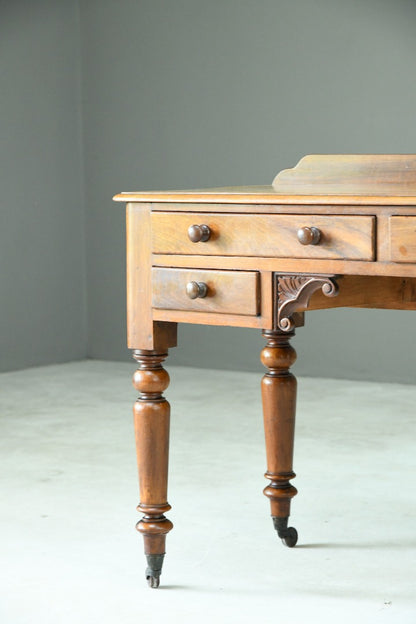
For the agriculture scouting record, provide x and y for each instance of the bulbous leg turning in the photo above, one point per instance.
(151, 421)
(154, 530)
(279, 409)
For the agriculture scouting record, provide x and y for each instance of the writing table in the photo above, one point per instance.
(334, 231)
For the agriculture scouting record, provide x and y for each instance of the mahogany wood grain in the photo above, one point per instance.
(350, 174)
(293, 293)
(343, 237)
(211, 318)
(383, 234)
(365, 209)
(142, 332)
(267, 299)
(151, 420)
(288, 208)
(288, 265)
(392, 293)
(359, 179)
(403, 239)
(279, 408)
(232, 292)
(262, 195)
(262, 321)
(139, 286)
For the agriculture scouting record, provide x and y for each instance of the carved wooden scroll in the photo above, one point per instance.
(293, 293)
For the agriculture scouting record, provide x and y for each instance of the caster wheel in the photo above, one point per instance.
(153, 581)
(154, 570)
(288, 535)
(291, 537)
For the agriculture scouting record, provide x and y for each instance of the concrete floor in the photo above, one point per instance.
(69, 552)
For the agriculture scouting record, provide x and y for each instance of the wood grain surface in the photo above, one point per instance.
(364, 209)
(142, 331)
(403, 239)
(232, 292)
(338, 179)
(350, 174)
(342, 237)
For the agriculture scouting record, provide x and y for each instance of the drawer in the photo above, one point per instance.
(403, 239)
(341, 237)
(228, 292)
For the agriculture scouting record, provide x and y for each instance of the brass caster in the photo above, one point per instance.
(288, 535)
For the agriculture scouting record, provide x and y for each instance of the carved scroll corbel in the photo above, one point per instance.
(293, 293)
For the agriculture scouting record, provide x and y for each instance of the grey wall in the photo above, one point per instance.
(194, 93)
(42, 234)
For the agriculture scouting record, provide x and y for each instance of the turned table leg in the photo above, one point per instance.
(151, 421)
(279, 407)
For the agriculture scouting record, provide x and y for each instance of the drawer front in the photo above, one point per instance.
(341, 237)
(403, 239)
(228, 292)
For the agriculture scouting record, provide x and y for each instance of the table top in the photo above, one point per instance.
(347, 179)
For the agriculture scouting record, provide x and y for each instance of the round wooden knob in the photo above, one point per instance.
(309, 235)
(199, 233)
(196, 289)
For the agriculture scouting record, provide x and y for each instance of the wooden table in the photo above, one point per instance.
(334, 231)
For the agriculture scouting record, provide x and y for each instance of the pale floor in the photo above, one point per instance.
(69, 551)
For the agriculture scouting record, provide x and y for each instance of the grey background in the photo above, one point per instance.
(102, 96)
(42, 233)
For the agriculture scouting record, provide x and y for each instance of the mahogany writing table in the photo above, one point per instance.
(334, 231)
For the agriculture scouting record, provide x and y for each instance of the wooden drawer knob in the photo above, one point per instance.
(309, 235)
(199, 233)
(196, 290)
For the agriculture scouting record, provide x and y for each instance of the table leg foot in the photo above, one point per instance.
(279, 407)
(154, 569)
(152, 415)
(288, 535)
